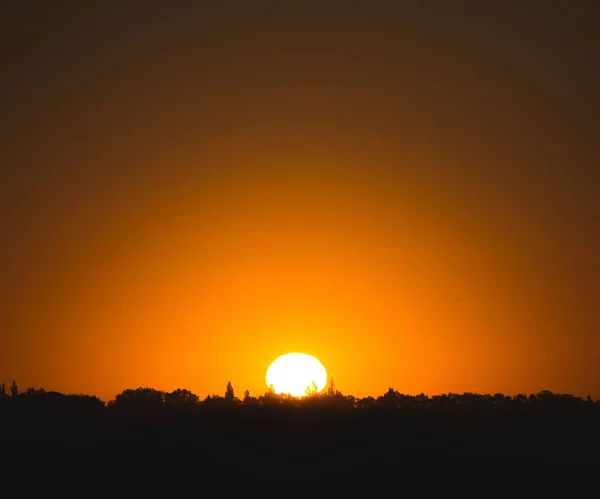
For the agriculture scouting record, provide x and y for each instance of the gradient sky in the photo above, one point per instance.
(406, 190)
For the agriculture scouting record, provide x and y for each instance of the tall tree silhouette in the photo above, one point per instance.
(331, 389)
(229, 395)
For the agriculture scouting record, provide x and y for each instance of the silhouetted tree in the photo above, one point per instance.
(270, 397)
(14, 390)
(389, 399)
(248, 400)
(217, 402)
(139, 398)
(421, 401)
(181, 398)
(367, 402)
(331, 389)
(3, 390)
(349, 401)
(312, 390)
(229, 395)
(520, 400)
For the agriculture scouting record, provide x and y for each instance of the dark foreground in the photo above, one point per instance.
(285, 442)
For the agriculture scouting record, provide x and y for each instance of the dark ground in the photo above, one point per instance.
(287, 443)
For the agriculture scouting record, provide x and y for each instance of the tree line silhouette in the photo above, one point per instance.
(332, 431)
(145, 398)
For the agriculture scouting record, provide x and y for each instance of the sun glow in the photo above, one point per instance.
(296, 374)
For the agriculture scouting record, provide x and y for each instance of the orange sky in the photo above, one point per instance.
(408, 194)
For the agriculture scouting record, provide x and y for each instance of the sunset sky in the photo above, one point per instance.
(408, 191)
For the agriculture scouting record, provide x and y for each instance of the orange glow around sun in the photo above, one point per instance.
(181, 213)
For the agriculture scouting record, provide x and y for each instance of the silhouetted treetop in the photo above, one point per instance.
(146, 398)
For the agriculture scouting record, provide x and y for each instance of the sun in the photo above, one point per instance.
(294, 374)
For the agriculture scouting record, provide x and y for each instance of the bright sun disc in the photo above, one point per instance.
(295, 373)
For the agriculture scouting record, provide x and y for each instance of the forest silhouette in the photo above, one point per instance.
(331, 431)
